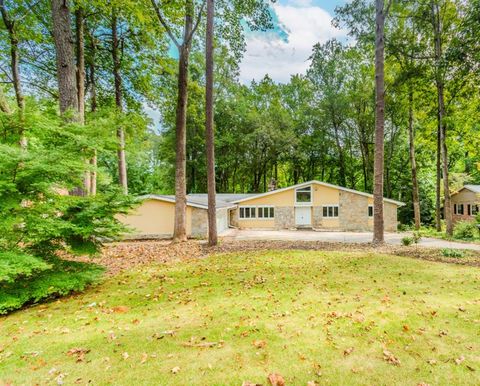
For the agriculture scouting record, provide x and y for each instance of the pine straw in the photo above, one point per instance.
(117, 257)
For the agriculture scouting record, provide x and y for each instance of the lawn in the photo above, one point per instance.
(329, 317)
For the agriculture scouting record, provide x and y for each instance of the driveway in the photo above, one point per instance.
(338, 237)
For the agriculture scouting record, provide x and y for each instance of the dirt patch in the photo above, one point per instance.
(117, 257)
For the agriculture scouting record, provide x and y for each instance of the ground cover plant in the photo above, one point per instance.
(322, 316)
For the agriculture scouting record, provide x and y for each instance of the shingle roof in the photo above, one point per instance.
(197, 201)
(473, 188)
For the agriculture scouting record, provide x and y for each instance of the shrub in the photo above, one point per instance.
(465, 230)
(407, 240)
(447, 252)
(416, 237)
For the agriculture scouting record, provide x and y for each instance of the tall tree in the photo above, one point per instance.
(413, 162)
(10, 25)
(378, 223)
(191, 23)
(209, 126)
(122, 163)
(65, 59)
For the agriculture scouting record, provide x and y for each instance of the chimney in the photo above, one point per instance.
(272, 185)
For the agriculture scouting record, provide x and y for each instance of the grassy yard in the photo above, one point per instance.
(330, 317)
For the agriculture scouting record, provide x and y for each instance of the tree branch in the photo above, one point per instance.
(164, 24)
(197, 22)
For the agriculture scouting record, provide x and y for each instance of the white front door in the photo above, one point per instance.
(303, 216)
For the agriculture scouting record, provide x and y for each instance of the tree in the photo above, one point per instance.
(11, 26)
(378, 224)
(66, 69)
(191, 23)
(209, 126)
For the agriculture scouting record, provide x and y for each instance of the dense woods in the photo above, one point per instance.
(78, 78)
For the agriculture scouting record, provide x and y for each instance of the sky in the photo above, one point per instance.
(284, 51)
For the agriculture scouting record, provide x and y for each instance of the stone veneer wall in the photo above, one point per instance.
(284, 217)
(317, 213)
(199, 223)
(353, 212)
(390, 217)
(234, 217)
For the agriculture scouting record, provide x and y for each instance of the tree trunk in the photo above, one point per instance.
(212, 215)
(447, 208)
(413, 163)
(93, 108)
(122, 164)
(438, 181)
(4, 106)
(66, 71)
(15, 68)
(378, 223)
(180, 229)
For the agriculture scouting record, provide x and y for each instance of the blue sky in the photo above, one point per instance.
(285, 50)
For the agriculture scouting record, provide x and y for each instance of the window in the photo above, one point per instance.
(474, 210)
(469, 209)
(303, 195)
(247, 212)
(454, 208)
(330, 211)
(260, 212)
(266, 212)
(370, 211)
(460, 209)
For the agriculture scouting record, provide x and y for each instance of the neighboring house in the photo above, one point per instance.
(466, 203)
(314, 204)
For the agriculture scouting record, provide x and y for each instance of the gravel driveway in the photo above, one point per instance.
(346, 237)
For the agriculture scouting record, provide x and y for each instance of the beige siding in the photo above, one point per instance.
(154, 218)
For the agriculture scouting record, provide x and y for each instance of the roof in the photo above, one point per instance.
(472, 188)
(196, 201)
(399, 203)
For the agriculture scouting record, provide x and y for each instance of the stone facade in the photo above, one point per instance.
(199, 223)
(353, 212)
(390, 217)
(284, 217)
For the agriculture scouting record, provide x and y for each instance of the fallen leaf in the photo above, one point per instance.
(276, 379)
(390, 358)
(175, 370)
(406, 328)
(125, 355)
(432, 362)
(259, 343)
(79, 353)
(248, 383)
(144, 357)
(459, 360)
(120, 309)
(311, 383)
(348, 351)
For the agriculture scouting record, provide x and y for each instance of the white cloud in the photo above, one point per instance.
(305, 24)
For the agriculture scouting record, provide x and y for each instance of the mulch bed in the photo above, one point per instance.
(117, 257)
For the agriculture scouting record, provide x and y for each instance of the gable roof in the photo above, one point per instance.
(195, 201)
(399, 203)
(472, 188)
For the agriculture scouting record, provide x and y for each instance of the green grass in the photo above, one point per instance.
(308, 307)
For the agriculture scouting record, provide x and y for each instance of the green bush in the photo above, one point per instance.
(37, 222)
(407, 240)
(416, 237)
(447, 252)
(465, 230)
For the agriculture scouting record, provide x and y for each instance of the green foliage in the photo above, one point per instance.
(14, 265)
(37, 218)
(448, 252)
(416, 237)
(465, 230)
(407, 240)
(61, 278)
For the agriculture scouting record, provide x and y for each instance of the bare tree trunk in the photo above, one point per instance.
(447, 207)
(15, 67)
(93, 108)
(122, 164)
(66, 71)
(378, 223)
(210, 131)
(438, 181)
(413, 163)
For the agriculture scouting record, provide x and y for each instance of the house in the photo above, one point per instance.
(312, 205)
(466, 203)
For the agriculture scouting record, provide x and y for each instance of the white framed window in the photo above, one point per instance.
(266, 212)
(370, 211)
(247, 212)
(330, 211)
(303, 196)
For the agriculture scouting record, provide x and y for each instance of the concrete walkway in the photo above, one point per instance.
(342, 237)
